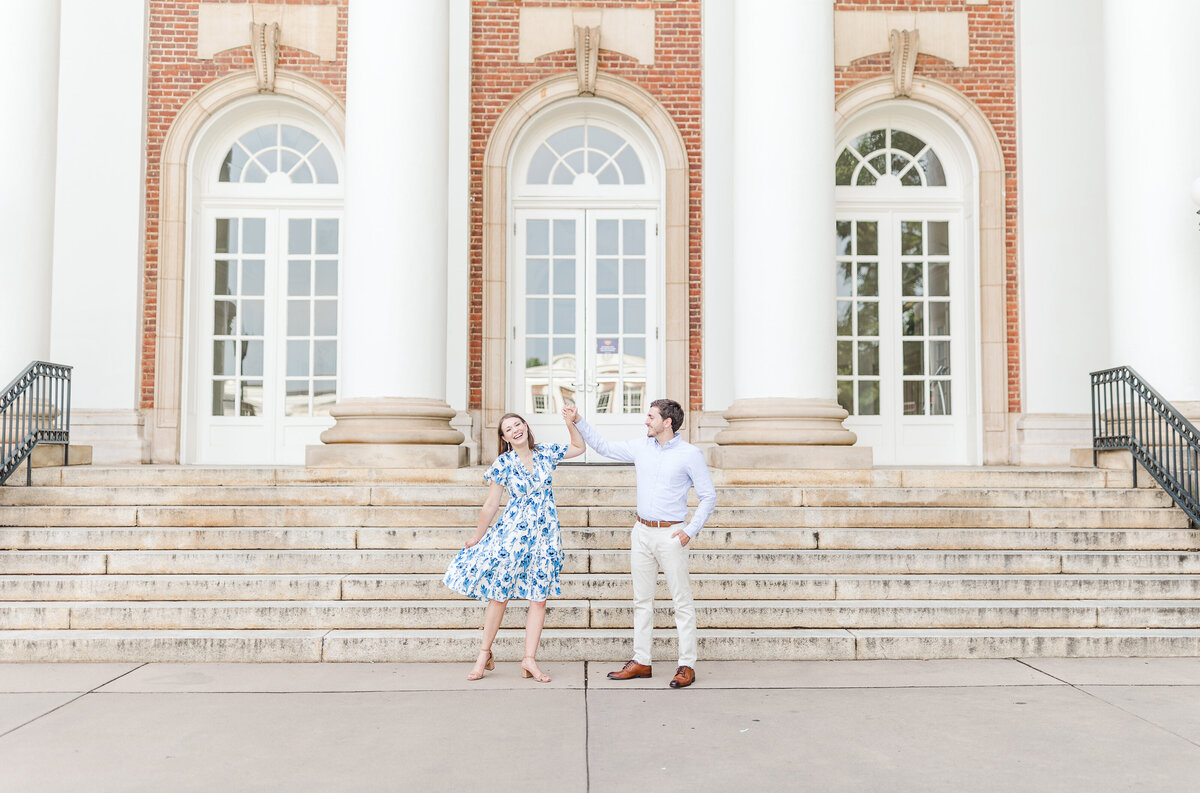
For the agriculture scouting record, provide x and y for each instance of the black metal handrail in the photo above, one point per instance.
(34, 408)
(1127, 413)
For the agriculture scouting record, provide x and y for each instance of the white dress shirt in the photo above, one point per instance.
(665, 473)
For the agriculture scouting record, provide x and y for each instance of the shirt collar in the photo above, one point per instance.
(669, 444)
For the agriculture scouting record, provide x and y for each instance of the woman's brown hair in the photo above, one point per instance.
(505, 446)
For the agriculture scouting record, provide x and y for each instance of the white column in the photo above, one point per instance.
(1154, 242)
(393, 412)
(29, 96)
(96, 316)
(784, 412)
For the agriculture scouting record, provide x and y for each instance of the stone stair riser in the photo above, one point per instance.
(1014, 539)
(589, 645)
(621, 497)
(604, 517)
(868, 614)
(579, 614)
(177, 538)
(53, 588)
(277, 616)
(162, 646)
(577, 475)
(1103, 643)
(312, 562)
(576, 538)
(1044, 587)
(170, 587)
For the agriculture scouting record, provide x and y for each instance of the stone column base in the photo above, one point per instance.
(390, 432)
(787, 433)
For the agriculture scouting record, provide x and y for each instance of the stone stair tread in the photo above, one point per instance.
(591, 644)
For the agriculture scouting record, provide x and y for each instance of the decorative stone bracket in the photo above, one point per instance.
(264, 45)
(587, 58)
(904, 45)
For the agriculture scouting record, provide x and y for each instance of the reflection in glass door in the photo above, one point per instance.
(585, 324)
(266, 322)
(901, 316)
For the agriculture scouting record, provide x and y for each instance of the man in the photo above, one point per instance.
(667, 466)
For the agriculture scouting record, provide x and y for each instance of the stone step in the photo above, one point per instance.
(612, 646)
(811, 562)
(722, 517)
(927, 562)
(623, 496)
(745, 614)
(174, 587)
(290, 615)
(592, 586)
(585, 475)
(595, 586)
(580, 538)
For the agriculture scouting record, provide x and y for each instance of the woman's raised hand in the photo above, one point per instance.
(570, 413)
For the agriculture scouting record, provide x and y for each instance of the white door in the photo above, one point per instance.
(585, 319)
(903, 336)
(265, 326)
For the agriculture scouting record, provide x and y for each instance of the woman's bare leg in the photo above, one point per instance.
(491, 625)
(534, 621)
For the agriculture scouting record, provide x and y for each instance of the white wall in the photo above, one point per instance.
(1063, 246)
(28, 90)
(718, 204)
(1153, 156)
(95, 321)
(458, 242)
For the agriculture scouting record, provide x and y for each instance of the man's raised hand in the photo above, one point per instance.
(570, 413)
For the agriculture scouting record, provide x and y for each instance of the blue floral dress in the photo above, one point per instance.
(521, 555)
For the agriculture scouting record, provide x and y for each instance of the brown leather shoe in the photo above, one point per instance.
(684, 677)
(630, 670)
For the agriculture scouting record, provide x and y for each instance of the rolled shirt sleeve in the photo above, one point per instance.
(702, 483)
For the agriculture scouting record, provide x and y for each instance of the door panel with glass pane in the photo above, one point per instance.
(585, 320)
(900, 302)
(269, 292)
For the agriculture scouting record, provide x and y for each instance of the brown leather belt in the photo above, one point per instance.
(657, 524)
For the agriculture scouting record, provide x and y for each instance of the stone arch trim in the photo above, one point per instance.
(993, 364)
(166, 416)
(495, 240)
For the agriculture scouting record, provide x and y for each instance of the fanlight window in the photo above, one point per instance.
(585, 149)
(889, 151)
(279, 149)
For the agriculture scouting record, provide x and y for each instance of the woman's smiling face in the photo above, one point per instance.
(515, 432)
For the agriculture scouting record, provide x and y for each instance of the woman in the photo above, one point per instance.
(521, 555)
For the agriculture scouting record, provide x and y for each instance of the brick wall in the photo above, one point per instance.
(989, 81)
(175, 75)
(674, 80)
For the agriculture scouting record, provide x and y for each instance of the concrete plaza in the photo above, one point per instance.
(865, 726)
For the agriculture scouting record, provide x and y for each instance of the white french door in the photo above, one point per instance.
(585, 309)
(265, 319)
(905, 335)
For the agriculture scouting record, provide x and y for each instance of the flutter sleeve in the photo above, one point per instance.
(554, 453)
(498, 473)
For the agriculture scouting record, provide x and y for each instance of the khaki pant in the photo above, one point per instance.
(651, 547)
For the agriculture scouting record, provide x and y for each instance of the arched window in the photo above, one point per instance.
(585, 278)
(889, 151)
(905, 344)
(278, 149)
(266, 273)
(585, 149)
